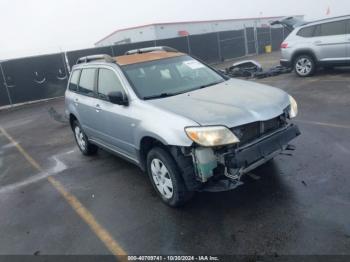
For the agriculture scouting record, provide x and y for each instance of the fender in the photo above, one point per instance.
(304, 51)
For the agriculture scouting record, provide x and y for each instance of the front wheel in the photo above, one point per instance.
(304, 65)
(166, 178)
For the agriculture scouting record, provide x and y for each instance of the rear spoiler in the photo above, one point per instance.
(91, 58)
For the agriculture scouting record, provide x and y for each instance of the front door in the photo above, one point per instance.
(115, 123)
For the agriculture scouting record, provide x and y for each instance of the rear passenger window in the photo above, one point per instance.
(87, 81)
(333, 28)
(73, 84)
(108, 82)
(306, 31)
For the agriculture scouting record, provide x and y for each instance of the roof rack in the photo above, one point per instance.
(90, 58)
(150, 49)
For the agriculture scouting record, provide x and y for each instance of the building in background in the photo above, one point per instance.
(160, 31)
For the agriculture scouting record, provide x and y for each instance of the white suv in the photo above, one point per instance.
(324, 43)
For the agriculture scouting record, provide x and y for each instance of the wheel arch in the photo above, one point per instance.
(308, 52)
(72, 118)
(184, 162)
(146, 144)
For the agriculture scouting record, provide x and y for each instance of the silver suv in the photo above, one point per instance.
(184, 123)
(324, 43)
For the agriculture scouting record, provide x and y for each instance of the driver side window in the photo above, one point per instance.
(108, 82)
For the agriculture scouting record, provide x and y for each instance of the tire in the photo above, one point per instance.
(82, 141)
(166, 178)
(304, 65)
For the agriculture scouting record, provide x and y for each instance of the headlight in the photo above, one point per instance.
(211, 135)
(293, 111)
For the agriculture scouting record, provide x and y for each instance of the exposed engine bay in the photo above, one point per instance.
(221, 168)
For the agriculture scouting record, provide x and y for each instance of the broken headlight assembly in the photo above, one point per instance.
(293, 109)
(211, 135)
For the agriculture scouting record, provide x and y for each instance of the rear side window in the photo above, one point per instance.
(73, 84)
(307, 31)
(87, 81)
(108, 82)
(332, 28)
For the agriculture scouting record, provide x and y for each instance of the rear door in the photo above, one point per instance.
(330, 41)
(86, 101)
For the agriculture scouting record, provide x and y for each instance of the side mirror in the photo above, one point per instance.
(118, 98)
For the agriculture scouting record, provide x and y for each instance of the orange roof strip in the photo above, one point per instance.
(145, 57)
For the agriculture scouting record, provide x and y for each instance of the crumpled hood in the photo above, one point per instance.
(231, 103)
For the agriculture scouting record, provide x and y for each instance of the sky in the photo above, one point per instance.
(33, 27)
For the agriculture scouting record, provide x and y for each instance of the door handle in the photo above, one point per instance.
(317, 42)
(98, 108)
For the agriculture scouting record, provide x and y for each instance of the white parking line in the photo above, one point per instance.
(322, 124)
(58, 167)
(113, 246)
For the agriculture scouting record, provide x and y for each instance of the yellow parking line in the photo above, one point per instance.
(22, 151)
(77, 206)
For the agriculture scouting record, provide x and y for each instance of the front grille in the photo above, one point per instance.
(271, 125)
(249, 132)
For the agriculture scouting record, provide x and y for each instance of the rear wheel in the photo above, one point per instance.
(166, 178)
(82, 141)
(304, 65)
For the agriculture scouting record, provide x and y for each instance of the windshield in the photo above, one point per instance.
(170, 76)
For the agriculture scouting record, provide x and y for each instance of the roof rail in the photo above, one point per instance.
(150, 49)
(90, 58)
(328, 18)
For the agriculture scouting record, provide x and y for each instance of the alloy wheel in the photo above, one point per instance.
(303, 66)
(161, 178)
(79, 135)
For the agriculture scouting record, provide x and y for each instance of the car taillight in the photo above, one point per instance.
(284, 45)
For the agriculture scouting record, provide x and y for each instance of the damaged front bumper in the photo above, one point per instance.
(221, 169)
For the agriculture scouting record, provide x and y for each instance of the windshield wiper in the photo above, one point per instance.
(211, 84)
(162, 95)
